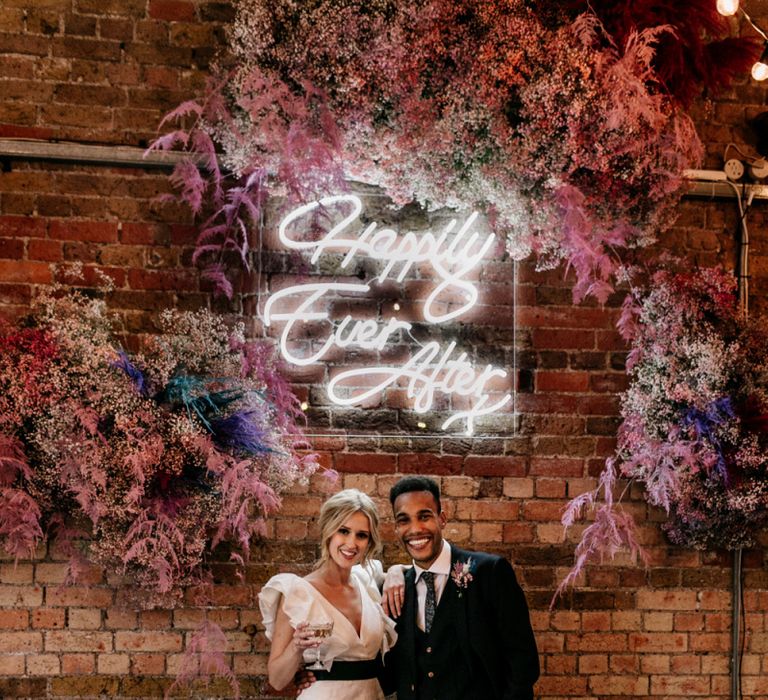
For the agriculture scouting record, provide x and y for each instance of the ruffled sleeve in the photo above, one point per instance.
(297, 602)
(300, 604)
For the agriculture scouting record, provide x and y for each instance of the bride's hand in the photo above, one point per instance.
(393, 592)
(304, 638)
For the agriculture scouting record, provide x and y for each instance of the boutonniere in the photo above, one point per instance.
(462, 574)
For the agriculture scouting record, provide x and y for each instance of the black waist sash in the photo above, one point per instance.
(351, 670)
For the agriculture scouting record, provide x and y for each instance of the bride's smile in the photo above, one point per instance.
(350, 541)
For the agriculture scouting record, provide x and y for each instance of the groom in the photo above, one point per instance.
(464, 631)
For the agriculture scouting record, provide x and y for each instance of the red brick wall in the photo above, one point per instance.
(104, 71)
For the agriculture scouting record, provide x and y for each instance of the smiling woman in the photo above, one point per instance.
(340, 598)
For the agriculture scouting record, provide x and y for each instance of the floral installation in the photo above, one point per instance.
(461, 574)
(695, 421)
(564, 124)
(141, 464)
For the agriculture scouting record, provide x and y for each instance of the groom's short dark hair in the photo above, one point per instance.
(415, 483)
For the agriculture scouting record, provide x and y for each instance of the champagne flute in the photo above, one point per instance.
(321, 630)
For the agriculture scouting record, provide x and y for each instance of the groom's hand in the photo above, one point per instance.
(303, 679)
(393, 592)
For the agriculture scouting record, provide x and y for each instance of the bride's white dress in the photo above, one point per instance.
(302, 602)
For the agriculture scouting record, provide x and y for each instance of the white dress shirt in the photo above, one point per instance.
(441, 568)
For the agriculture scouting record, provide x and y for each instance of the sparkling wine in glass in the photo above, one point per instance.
(321, 630)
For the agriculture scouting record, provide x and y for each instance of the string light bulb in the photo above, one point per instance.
(727, 8)
(760, 68)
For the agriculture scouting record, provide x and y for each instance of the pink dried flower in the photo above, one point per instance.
(140, 467)
(695, 428)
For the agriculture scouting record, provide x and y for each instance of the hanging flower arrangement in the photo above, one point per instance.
(141, 464)
(556, 122)
(695, 421)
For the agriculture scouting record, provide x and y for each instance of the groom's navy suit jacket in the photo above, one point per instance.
(481, 645)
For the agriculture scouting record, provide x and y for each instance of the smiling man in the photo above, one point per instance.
(464, 631)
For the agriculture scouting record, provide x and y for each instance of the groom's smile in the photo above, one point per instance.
(419, 526)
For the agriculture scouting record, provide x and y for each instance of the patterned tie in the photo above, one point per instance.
(429, 606)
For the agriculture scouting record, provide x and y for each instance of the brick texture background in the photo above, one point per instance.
(104, 71)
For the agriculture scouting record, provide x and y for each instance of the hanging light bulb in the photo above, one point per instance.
(760, 68)
(727, 7)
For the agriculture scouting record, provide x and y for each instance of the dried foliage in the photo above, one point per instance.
(565, 128)
(695, 428)
(141, 464)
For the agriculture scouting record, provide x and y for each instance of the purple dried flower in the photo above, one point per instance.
(240, 433)
(134, 373)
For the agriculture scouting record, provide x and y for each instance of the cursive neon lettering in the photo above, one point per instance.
(453, 254)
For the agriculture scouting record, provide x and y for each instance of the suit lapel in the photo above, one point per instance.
(460, 602)
(408, 620)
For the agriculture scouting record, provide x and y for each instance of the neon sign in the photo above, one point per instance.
(431, 371)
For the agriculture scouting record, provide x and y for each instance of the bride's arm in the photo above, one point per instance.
(286, 654)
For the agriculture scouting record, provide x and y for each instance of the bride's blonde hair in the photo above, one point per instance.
(337, 509)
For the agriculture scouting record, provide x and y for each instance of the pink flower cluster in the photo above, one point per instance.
(146, 462)
(560, 131)
(695, 428)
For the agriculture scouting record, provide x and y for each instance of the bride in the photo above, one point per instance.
(340, 595)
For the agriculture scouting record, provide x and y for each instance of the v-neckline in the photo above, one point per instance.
(359, 634)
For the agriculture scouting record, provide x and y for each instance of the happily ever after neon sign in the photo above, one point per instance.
(434, 369)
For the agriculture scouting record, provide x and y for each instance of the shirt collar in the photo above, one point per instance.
(441, 565)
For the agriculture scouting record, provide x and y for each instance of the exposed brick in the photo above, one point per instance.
(78, 664)
(43, 665)
(558, 339)
(543, 510)
(84, 618)
(79, 597)
(11, 248)
(494, 466)
(75, 47)
(181, 280)
(16, 574)
(14, 619)
(18, 642)
(48, 618)
(91, 95)
(684, 686)
(155, 619)
(25, 271)
(666, 600)
(84, 686)
(118, 618)
(596, 642)
(92, 231)
(171, 10)
(11, 665)
(38, 249)
(560, 686)
(113, 664)
(517, 532)
(72, 640)
(365, 462)
(148, 641)
(24, 595)
(426, 463)
(562, 381)
(487, 510)
(658, 641)
(558, 466)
